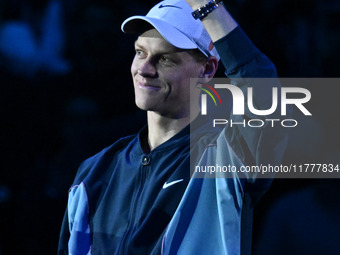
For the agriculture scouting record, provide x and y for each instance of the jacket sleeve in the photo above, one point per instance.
(246, 66)
(64, 236)
(241, 58)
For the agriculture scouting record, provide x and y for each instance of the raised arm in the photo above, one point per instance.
(245, 64)
(218, 23)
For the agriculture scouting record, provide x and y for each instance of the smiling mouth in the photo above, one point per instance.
(147, 86)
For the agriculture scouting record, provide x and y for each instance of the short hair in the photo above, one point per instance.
(198, 56)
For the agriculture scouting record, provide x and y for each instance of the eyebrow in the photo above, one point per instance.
(136, 44)
(161, 52)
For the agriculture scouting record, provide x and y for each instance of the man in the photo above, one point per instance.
(136, 196)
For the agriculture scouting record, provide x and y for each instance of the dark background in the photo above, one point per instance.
(62, 104)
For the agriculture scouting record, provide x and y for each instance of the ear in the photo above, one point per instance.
(209, 69)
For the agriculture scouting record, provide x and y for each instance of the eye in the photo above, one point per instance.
(140, 53)
(164, 59)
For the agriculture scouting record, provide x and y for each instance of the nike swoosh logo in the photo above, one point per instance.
(167, 185)
(168, 5)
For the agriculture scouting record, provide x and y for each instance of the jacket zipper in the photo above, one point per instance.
(132, 214)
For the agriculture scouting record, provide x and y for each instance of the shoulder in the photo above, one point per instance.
(113, 148)
(101, 161)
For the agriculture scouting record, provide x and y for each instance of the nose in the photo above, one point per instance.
(147, 68)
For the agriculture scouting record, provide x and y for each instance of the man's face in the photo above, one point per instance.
(161, 76)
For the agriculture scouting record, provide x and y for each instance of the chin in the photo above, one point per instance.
(143, 105)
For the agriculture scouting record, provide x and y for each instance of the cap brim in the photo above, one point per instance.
(138, 24)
